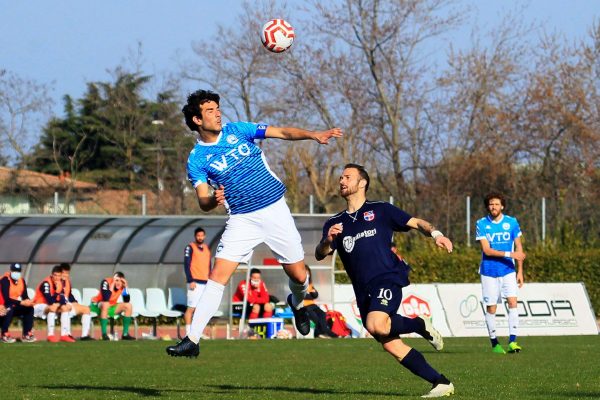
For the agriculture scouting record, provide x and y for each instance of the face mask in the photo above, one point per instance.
(255, 282)
(15, 275)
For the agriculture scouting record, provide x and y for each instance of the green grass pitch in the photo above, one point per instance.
(548, 368)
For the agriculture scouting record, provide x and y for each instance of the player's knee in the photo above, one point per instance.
(296, 272)
(268, 307)
(378, 329)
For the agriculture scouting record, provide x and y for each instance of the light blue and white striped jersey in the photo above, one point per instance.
(238, 164)
(501, 236)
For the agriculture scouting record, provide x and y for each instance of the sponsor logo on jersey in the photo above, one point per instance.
(506, 226)
(232, 139)
(228, 159)
(369, 215)
(488, 227)
(498, 237)
(261, 127)
(349, 241)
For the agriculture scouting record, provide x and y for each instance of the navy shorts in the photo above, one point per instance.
(384, 296)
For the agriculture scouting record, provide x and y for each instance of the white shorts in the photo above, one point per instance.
(272, 225)
(193, 296)
(39, 310)
(494, 289)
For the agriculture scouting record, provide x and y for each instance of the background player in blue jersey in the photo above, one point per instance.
(362, 234)
(226, 157)
(500, 239)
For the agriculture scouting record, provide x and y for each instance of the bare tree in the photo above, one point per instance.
(481, 101)
(76, 159)
(330, 87)
(22, 103)
(561, 129)
(385, 55)
(234, 64)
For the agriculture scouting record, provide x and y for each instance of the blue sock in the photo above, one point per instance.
(512, 338)
(494, 342)
(416, 363)
(402, 325)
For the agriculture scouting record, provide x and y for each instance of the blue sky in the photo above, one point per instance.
(66, 43)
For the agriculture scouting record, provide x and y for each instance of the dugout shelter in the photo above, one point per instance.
(147, 249)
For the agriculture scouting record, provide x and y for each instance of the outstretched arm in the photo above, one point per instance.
(426, 228)
(289, 133)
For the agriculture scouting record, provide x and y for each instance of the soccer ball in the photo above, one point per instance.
(277, 35)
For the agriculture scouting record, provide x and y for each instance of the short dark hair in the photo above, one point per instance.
(255, 271)
(65, 266)
(361, 171)
(57, 268)
(119, 274)
(192, 108)
(198, 229)
(494, 195)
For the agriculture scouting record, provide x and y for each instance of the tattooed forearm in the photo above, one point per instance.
(425, 227)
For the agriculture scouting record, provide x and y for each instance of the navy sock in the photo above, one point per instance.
(416, 363)
(512, 338)
(402, 325)
(494, 342)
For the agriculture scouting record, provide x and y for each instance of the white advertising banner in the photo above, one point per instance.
(417, 300)
(423, 300)
(544, 309)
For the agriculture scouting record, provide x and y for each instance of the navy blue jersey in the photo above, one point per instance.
(364, 244)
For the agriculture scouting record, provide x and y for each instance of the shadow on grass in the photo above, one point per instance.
(579, 394)
(149, 392)
(254, 389)
(145, 392)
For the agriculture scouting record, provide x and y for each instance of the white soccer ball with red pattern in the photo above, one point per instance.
(277, 35)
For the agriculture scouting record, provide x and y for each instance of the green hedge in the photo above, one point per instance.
(432, 265)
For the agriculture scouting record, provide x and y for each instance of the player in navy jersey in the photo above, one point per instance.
(500, 239)
(362, 234)
(226, 158)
